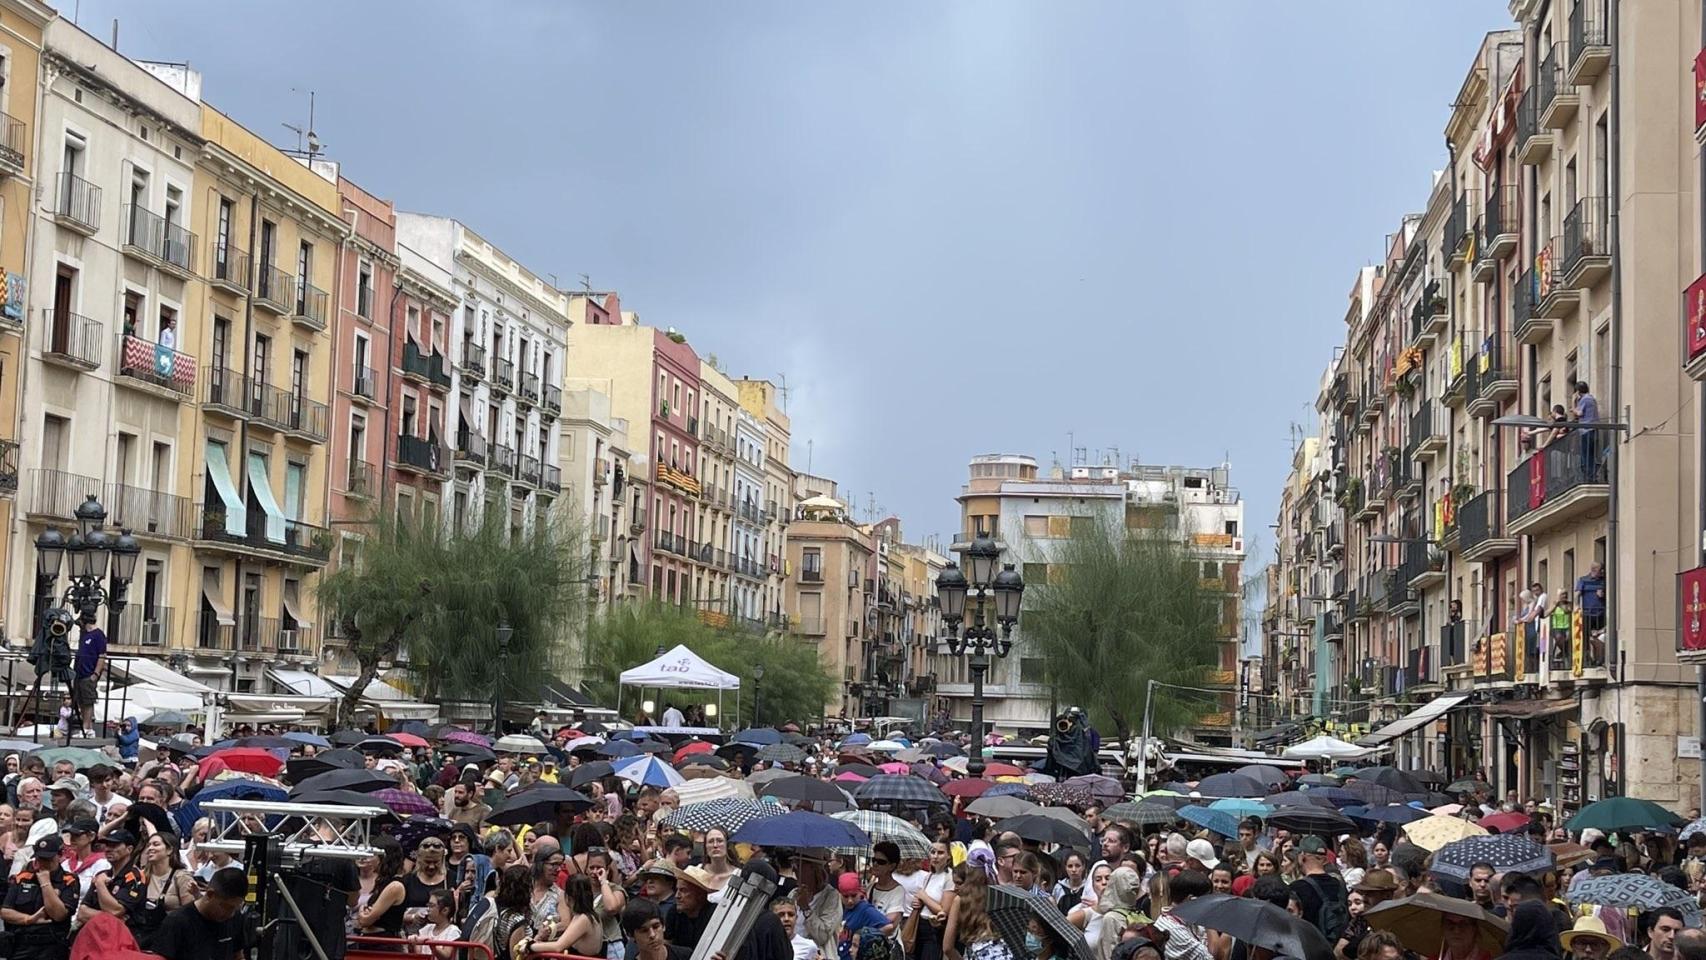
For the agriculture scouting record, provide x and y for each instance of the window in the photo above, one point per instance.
(304, 270)
(258, 370)
(410, 412)
(1232, 528)
(268, 229)
(1033, 670)
(174, 211)
(299, 376)
(357, 438)
(54, 430)
(123, 456)
(363, 358)
(811, 563)
(364, 290)
(222, 241)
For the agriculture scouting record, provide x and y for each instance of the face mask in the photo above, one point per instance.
(1033, 944)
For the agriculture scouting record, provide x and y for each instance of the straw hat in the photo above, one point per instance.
(1588, 926)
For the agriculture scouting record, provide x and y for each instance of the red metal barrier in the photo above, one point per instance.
(470, 949)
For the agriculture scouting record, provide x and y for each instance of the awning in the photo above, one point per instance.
(293, 604)
(261, 486)
(303, 683)
(1414, 720)
(210, 593)
(219, 471)
(389, 701)
(141, 670)
(1530, 709)
(467, 412)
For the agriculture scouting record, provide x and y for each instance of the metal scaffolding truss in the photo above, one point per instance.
(303, 829)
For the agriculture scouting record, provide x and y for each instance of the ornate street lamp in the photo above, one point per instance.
(757, 690)
(1001, 591)
(504, 633)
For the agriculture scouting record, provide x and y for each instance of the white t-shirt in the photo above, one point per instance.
(913, 882)
(937, 886)
(449, 931)
(892, 901)
(804, 948)
(673, 718)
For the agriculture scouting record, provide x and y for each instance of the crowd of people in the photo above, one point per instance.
(610, 844)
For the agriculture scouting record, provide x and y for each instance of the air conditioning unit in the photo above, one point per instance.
(153, 634)
(1238, 544)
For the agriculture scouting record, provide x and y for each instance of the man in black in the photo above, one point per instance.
(1317, 887)
(209, 928)
(692, 914)
(39, 903)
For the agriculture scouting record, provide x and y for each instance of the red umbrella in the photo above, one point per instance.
(407, 739)
(694, 747)
(1002, 770)
(1505, 822)
(966, 788)
(262, 763)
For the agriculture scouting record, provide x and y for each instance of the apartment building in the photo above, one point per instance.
(595, 488)
(759, 398)
(833, 559)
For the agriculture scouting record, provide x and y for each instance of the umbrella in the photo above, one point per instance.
(1171, 801)
(307, 740)
(1434, 832)
(298, 769)
(519, 743)
(942, 750)
(1266, 775)
(1326, 823)
(885, 746)
(707, 761)
(1002, 770)
(968, 787)
(347, 738)
(415, 829)
(1692, 829)
(729, 813)
(1258, 923)
(1505, 822)
(253, 760)
(165, 718)
(1622, 813)
(469, 752)
(782, 753)
(758, 737)
(619, 749)
(1020, 790)
(1240, 807)
(264, 743)
(1060, 795)
(403, 803)
(849, 777)
(380, 745)
(1318, 780)
(419, 728)
(458, 735)
(344, 798)
(913, 844)
(236, 788)
(408, 739)
(1103, 789)
(1010, 912)
(1638, 891)
(1447, 810)
(856, 740)
(1043, 829)
(1231, 785)
(760, 777)
(359, 779)
(1307, 798)
(1391, 813)
(929, 772)
(1067, 817)
(81, 757)
(1392, 778)
(858, 769)
(1218, 821)
(1000, 808)
(1469, 785)
(897, 767)
(648, 771)
(1432, 778)
(1366, 791)
(1419, 921)
(799, 789)
(1506, 852)
(537, 804)
(690, 748)
(801, 829)
(1143, 814)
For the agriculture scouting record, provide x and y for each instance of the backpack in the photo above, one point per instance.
(1334, 915)
(875, 946)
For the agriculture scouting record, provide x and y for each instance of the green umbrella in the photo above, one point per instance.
(81, 757)
(1623, 813)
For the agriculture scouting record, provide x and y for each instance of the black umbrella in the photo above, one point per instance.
(1318, 780)
(899, 788)
(301, 768)
(1258, 923)
(379, 745)
(943, 750)
(1373, 794)
(1392, 777)
(1296, 799)
(588, 772)
(1311, 820)
(1010, 911)
(1231, 785)
(1430, 778)
(1041, 829)
(1272, 777)
(469, 752)
(264, 743)
(801, 789)
(1470, 785)
(538, 804)
(862, 769)
(347, 738)
(702, 760)
(360, 780)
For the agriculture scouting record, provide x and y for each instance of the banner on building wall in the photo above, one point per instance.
(1536, 480)
(1576, 644)
(1691, 619)
(1694, 313)
(12, 298)
(1700, 89)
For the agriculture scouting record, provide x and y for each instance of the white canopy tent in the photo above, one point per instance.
(1325, 747)
(681, 669)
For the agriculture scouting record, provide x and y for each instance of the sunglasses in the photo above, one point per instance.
(431, 845)
(880, 863)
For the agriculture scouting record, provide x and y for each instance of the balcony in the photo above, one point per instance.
(553, 400)
(154, 239)
(1500, 222)
(1340, 394)
(417, 363)
(1590, 44)
(1435, 313)
(529, 392)
(1558, 100)
(70, 339)
(8, 467)
(312, 305)
(295, 639)
(252, 531)
(12, 144)
(1587, 244)
(230, 269)
(1427, 430)
(1529, 327)
(77, 206)
(1495, 377)
(1455, 242)
(210, 634)
(1561, 482)
(530, 471)
(637, 522)
(146, 362)
(143, 626)
(473, 363)
(470, 447)
(265, 405)
(502, 460)
(552, 479)
(421, 455)
(665, 542)
(1453, 651)
(256, 634)
(503, 375)
(1534, 141)
(1480, 538)
(275, 290)
(149, 512)
(1333, 624)
(365, 384)
(1423, 566)
(56, 494)
(361, 480)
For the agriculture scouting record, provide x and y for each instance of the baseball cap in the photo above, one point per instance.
(1312, 845)
(82, 826)
(67, 784)
(121, 836)
(848, 883)
(49, 846)
(1203, 852)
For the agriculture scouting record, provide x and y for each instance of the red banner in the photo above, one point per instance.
(1700, 89)
(1694, 314)
(1537, 480)
(1691, 622)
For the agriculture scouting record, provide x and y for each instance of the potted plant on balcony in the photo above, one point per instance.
(1406, 387)
(321, 541)
(1348, 495)
(213, 520)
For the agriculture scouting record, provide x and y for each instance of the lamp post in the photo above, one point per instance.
(99, 567)
(757, 690)
(1003, 588)
(504, 633)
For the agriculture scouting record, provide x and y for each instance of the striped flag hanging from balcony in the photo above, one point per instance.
(12, 297)
(163, 361)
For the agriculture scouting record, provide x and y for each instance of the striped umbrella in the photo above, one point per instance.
(913, 844)
(1143, 813)
(899, 788)
(730, 813)
(785, 753)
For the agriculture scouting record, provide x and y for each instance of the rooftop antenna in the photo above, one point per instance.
(808, 455)
(312, 139)
(586, 282)
(782, 388)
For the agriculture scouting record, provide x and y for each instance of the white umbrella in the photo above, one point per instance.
(1325, 746)
(518, 743)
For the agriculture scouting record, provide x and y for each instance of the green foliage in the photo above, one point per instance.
(1127, 609)
(439, 599)
(795, 685)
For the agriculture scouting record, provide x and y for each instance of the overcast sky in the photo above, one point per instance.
(954, 227)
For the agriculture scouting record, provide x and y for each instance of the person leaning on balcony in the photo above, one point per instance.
(1587, 411)
(1560, 640)
(1590, 588)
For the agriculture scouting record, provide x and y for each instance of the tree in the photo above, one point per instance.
(795, 684)
(1123, 609)
(439, 600)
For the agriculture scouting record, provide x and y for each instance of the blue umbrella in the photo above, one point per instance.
(801, 829)
(308, 740)
(1009, 790)
(626, 735)
(1218, 821)
(1391, 813)
(758, 737)
(856, 740)
(233, 789)
(619, 748)
(647, 771)
(1240, 807)
(1338, 796)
